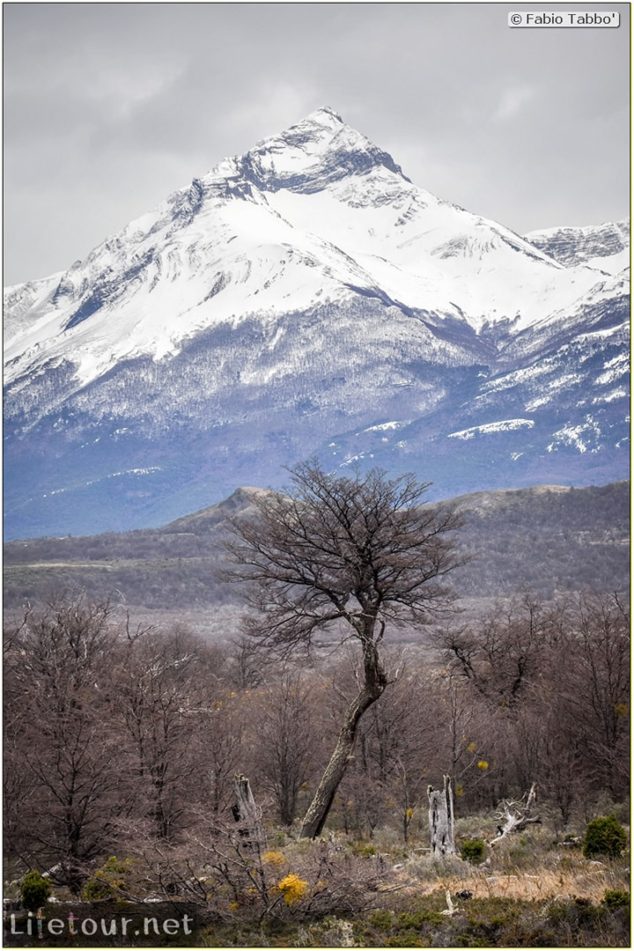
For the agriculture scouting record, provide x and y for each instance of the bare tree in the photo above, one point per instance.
(595, 682)
(349, 554)
(160, 705)
(285, 739)
(549, 687)
(501, 654)
(245, 664)
(63, 749)
(221, 746)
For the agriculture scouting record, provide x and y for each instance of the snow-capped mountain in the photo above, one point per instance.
(306, 297)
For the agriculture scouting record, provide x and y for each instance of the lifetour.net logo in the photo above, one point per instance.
(20, 929)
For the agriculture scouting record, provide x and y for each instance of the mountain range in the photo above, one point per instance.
(306, 298)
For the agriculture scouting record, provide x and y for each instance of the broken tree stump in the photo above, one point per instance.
(246, 813)
(441, 819)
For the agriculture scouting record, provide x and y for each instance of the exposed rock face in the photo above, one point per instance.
(605, 246)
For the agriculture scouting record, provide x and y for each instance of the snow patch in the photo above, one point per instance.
(501, 426)
(111, 475)
(619, 393)
(380, 427)
(579, 437)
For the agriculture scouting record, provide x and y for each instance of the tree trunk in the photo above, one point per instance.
(375, 684)
(441, 819)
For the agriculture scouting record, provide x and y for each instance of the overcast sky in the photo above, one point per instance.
(109, 108)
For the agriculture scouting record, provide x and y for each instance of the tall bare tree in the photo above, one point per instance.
(348, 554)
(160, 703)
(285, 739)
(64, 750)
(597, 686)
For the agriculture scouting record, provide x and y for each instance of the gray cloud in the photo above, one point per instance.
(110, 107)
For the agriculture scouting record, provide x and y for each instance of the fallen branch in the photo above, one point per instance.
(515, 815)
(450, 910)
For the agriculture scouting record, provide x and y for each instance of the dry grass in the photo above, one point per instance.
(528, 867)
(570, 877)
(546, 884)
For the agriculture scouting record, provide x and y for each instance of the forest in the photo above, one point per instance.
(281, 782)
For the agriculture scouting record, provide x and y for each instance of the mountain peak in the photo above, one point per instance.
(324, 116)
(312, 153)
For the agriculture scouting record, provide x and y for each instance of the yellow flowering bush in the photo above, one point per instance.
(482, 764)
(273, 858)
(293, 888)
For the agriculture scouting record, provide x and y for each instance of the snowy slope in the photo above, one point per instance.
(24, 304)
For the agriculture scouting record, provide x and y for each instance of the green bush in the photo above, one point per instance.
(405, 939)
(615, 898)
(108, 881)
(414, 920)
(364, 849)
(576, 914)
(34, 890)
(472, 850)
(381, 919)
(604, 836)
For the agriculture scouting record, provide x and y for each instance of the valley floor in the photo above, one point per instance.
(532, 890)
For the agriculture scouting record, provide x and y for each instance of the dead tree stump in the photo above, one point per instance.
(247, 814)
(441, 819)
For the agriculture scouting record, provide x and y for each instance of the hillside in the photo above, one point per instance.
(547, 539)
